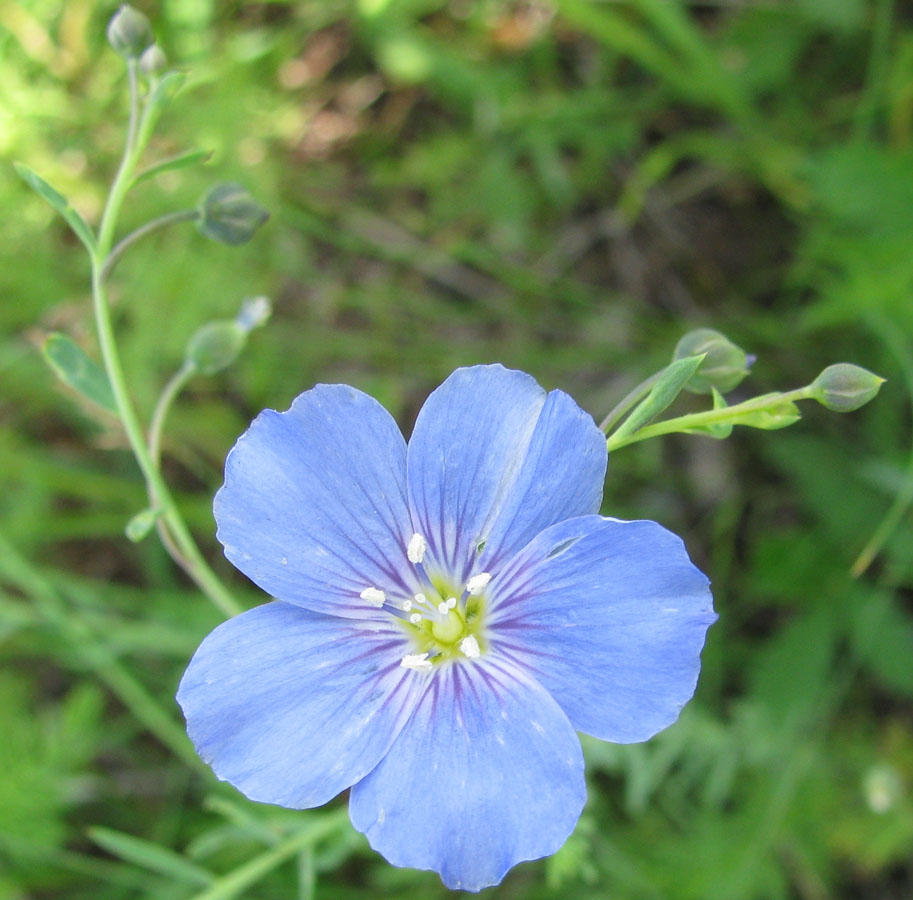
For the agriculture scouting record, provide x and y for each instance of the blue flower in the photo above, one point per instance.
(448, 614)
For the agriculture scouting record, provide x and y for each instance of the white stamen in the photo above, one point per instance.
(451, 602)
(470, 646)
(416, 548)
(477, 583)
(374, 596)
(420, 599)
(417, 661)
(443, 608)
(415, 618)
(407, 605)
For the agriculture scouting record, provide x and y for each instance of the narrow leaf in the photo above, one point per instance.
(79, 371)
(150, 856)
(59, 202)
(777, 415)
(181, 161)
(670, 384)
(721, 429)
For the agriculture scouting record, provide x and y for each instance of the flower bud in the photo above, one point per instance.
(141, 524)
(153, 60)
(724, 365)
(216, 345)
(129, 32)
(844, 387)
(229, 214)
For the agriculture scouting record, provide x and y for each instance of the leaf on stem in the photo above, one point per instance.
(720, 430)
(670, 384)
(777, 413)
(181, 161)
(75, 368)
(58, 202)
(150, 856)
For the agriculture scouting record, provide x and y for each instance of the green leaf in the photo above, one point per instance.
(776, 415)
(59, 202)
(79, 371)
(181, 161)
(670, 384)
(720, 430)
(151, 856)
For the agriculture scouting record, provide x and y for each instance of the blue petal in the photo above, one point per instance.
(292, 707)
(493, 461)
(313, 508)
(486, 774)
(610, 617)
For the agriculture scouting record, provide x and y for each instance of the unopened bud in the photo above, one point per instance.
(724, 365)
(216, 345)
(153, 60)
(229, 214)
(141, 524)
(844, 387)
(129, 32)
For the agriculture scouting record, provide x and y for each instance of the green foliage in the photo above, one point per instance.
(566, 190)
(75, 368)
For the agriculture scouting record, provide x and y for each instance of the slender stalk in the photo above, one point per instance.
(710, 417)
(172, 388)
(190, 557)
(904, 497)
(627, 402)
(237, 881)
(183, 215)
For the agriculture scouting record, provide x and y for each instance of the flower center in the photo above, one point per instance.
(443, 622)
(449, 628)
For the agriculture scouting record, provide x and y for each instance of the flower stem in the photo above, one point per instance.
(190, 557)
(727, 414)
(236, 882)
(628, 401)
(183, 215)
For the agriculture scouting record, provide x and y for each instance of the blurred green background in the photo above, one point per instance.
(565, 187)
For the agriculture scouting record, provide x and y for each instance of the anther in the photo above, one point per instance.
(374, 596)
(477, 583)
(416, 548)
(415, 618)
(451, 602)
(470, 647)
(444, 607)
(417, 661)
(407, 605)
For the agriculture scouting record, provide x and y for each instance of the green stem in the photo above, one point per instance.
(710, 417)
(234, 883)
(165, 401)
(190, 557)
(904, 497)
(183, 215)
(628, 401)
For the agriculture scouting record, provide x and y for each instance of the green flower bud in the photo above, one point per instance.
(141, 524)
(129, 32)
(844, 387)
(153, 60)
(724, 365)
(230, 215)
(216, 345)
